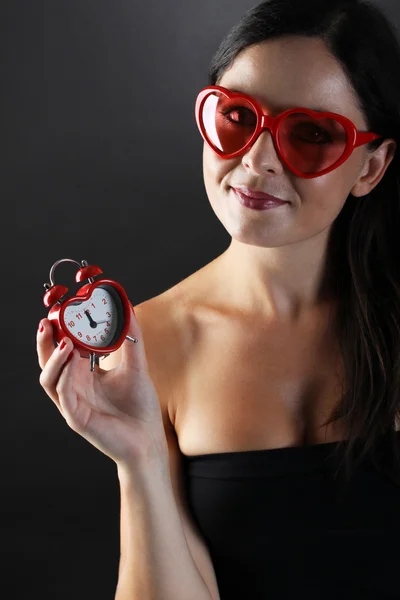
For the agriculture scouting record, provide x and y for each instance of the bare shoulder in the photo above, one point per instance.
(160, 321)
(167, 324)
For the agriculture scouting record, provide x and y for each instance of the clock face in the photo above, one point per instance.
(95, 321)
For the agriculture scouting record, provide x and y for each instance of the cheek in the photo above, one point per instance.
(322, 199)
(215, 170)
(340, 182)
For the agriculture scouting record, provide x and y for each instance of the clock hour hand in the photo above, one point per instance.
(93, 324)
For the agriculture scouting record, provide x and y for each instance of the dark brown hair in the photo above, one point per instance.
(363, 265)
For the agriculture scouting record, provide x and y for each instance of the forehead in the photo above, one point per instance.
(294, 71)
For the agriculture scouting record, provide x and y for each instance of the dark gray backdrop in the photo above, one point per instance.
(103, 162)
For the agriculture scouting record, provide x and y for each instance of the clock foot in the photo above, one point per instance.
(94, 360)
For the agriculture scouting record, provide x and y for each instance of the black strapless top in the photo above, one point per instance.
(280, 526)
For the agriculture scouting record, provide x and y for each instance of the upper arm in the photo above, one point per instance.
(159, 337)
(196, 543)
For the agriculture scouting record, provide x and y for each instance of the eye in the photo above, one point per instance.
(240, 115)
(310, 132)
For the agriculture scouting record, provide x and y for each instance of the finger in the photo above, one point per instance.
(44, 342)
(64, 385)
(50, 375)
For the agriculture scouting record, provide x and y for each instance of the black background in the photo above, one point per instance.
(103, 162)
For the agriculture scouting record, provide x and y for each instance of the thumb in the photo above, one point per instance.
(133, 353)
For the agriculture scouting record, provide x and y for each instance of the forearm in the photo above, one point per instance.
(155, 562)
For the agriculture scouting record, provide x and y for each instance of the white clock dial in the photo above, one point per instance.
(93, 321)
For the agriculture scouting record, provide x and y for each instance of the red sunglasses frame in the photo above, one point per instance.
(355, 138)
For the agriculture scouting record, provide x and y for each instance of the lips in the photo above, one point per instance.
(259, 195)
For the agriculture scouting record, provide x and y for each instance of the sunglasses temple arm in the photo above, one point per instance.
(364, 138)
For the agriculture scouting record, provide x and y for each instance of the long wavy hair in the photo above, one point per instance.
(363, 260)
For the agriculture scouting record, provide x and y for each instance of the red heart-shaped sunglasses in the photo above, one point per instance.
(310, 143)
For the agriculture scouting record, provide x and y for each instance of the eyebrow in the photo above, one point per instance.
(316, 108)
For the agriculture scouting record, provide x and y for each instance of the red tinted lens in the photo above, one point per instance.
(229, 122)
(308, 144)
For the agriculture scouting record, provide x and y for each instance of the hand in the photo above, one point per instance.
(117, 411)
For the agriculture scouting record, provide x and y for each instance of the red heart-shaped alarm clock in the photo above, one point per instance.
(97, 319)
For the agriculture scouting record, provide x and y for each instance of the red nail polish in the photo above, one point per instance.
(62, 345)
(41, 328)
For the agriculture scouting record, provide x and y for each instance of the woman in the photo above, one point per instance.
(265, 364)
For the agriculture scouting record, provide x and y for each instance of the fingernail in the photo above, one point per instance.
(63, 344)
(41, 327)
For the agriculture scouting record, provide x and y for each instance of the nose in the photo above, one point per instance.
(262, 155)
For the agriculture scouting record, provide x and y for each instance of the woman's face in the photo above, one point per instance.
(281, 74)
